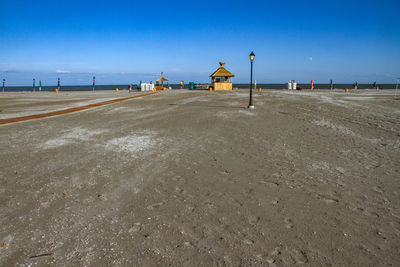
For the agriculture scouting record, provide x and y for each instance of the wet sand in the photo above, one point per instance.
(195, 178)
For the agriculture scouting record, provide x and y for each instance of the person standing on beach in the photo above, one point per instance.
(374, 85)
(130, 88)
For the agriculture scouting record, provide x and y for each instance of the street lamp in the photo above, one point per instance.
(251, 106)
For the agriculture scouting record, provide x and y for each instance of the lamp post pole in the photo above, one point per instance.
(251, 106)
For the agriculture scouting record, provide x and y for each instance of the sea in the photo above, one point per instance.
(177, 86)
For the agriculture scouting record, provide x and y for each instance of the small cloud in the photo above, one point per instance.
(310, 58)
(63, 71)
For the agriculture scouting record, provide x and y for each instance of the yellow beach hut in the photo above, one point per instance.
(221, 79)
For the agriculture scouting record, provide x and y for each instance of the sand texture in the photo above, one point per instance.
(194, 178)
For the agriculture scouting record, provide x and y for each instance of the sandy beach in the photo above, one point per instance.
(194, 178)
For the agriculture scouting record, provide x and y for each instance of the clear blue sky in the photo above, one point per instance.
(128, 41)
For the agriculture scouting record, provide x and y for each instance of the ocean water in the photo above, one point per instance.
(177, 86)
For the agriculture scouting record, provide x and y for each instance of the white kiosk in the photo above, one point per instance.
(292, 85)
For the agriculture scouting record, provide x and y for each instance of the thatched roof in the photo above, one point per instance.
(222, 72)
(162, 78)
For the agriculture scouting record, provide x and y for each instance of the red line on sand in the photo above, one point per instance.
(68, 110)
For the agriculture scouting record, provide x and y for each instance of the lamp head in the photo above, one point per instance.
(252, 56)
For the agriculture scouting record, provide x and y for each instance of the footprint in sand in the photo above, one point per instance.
(248, 241)
(135, 228)
(155, 206)
(253, 220)
(378, 189)
(288, 223)
(327, 198)
(275, 256)
(179, 190)
(269, 183)
(190, 208)
(299, 257)
(177, 178)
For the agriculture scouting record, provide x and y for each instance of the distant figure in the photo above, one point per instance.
(374, 85)
(355, 85)
(130, 88)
